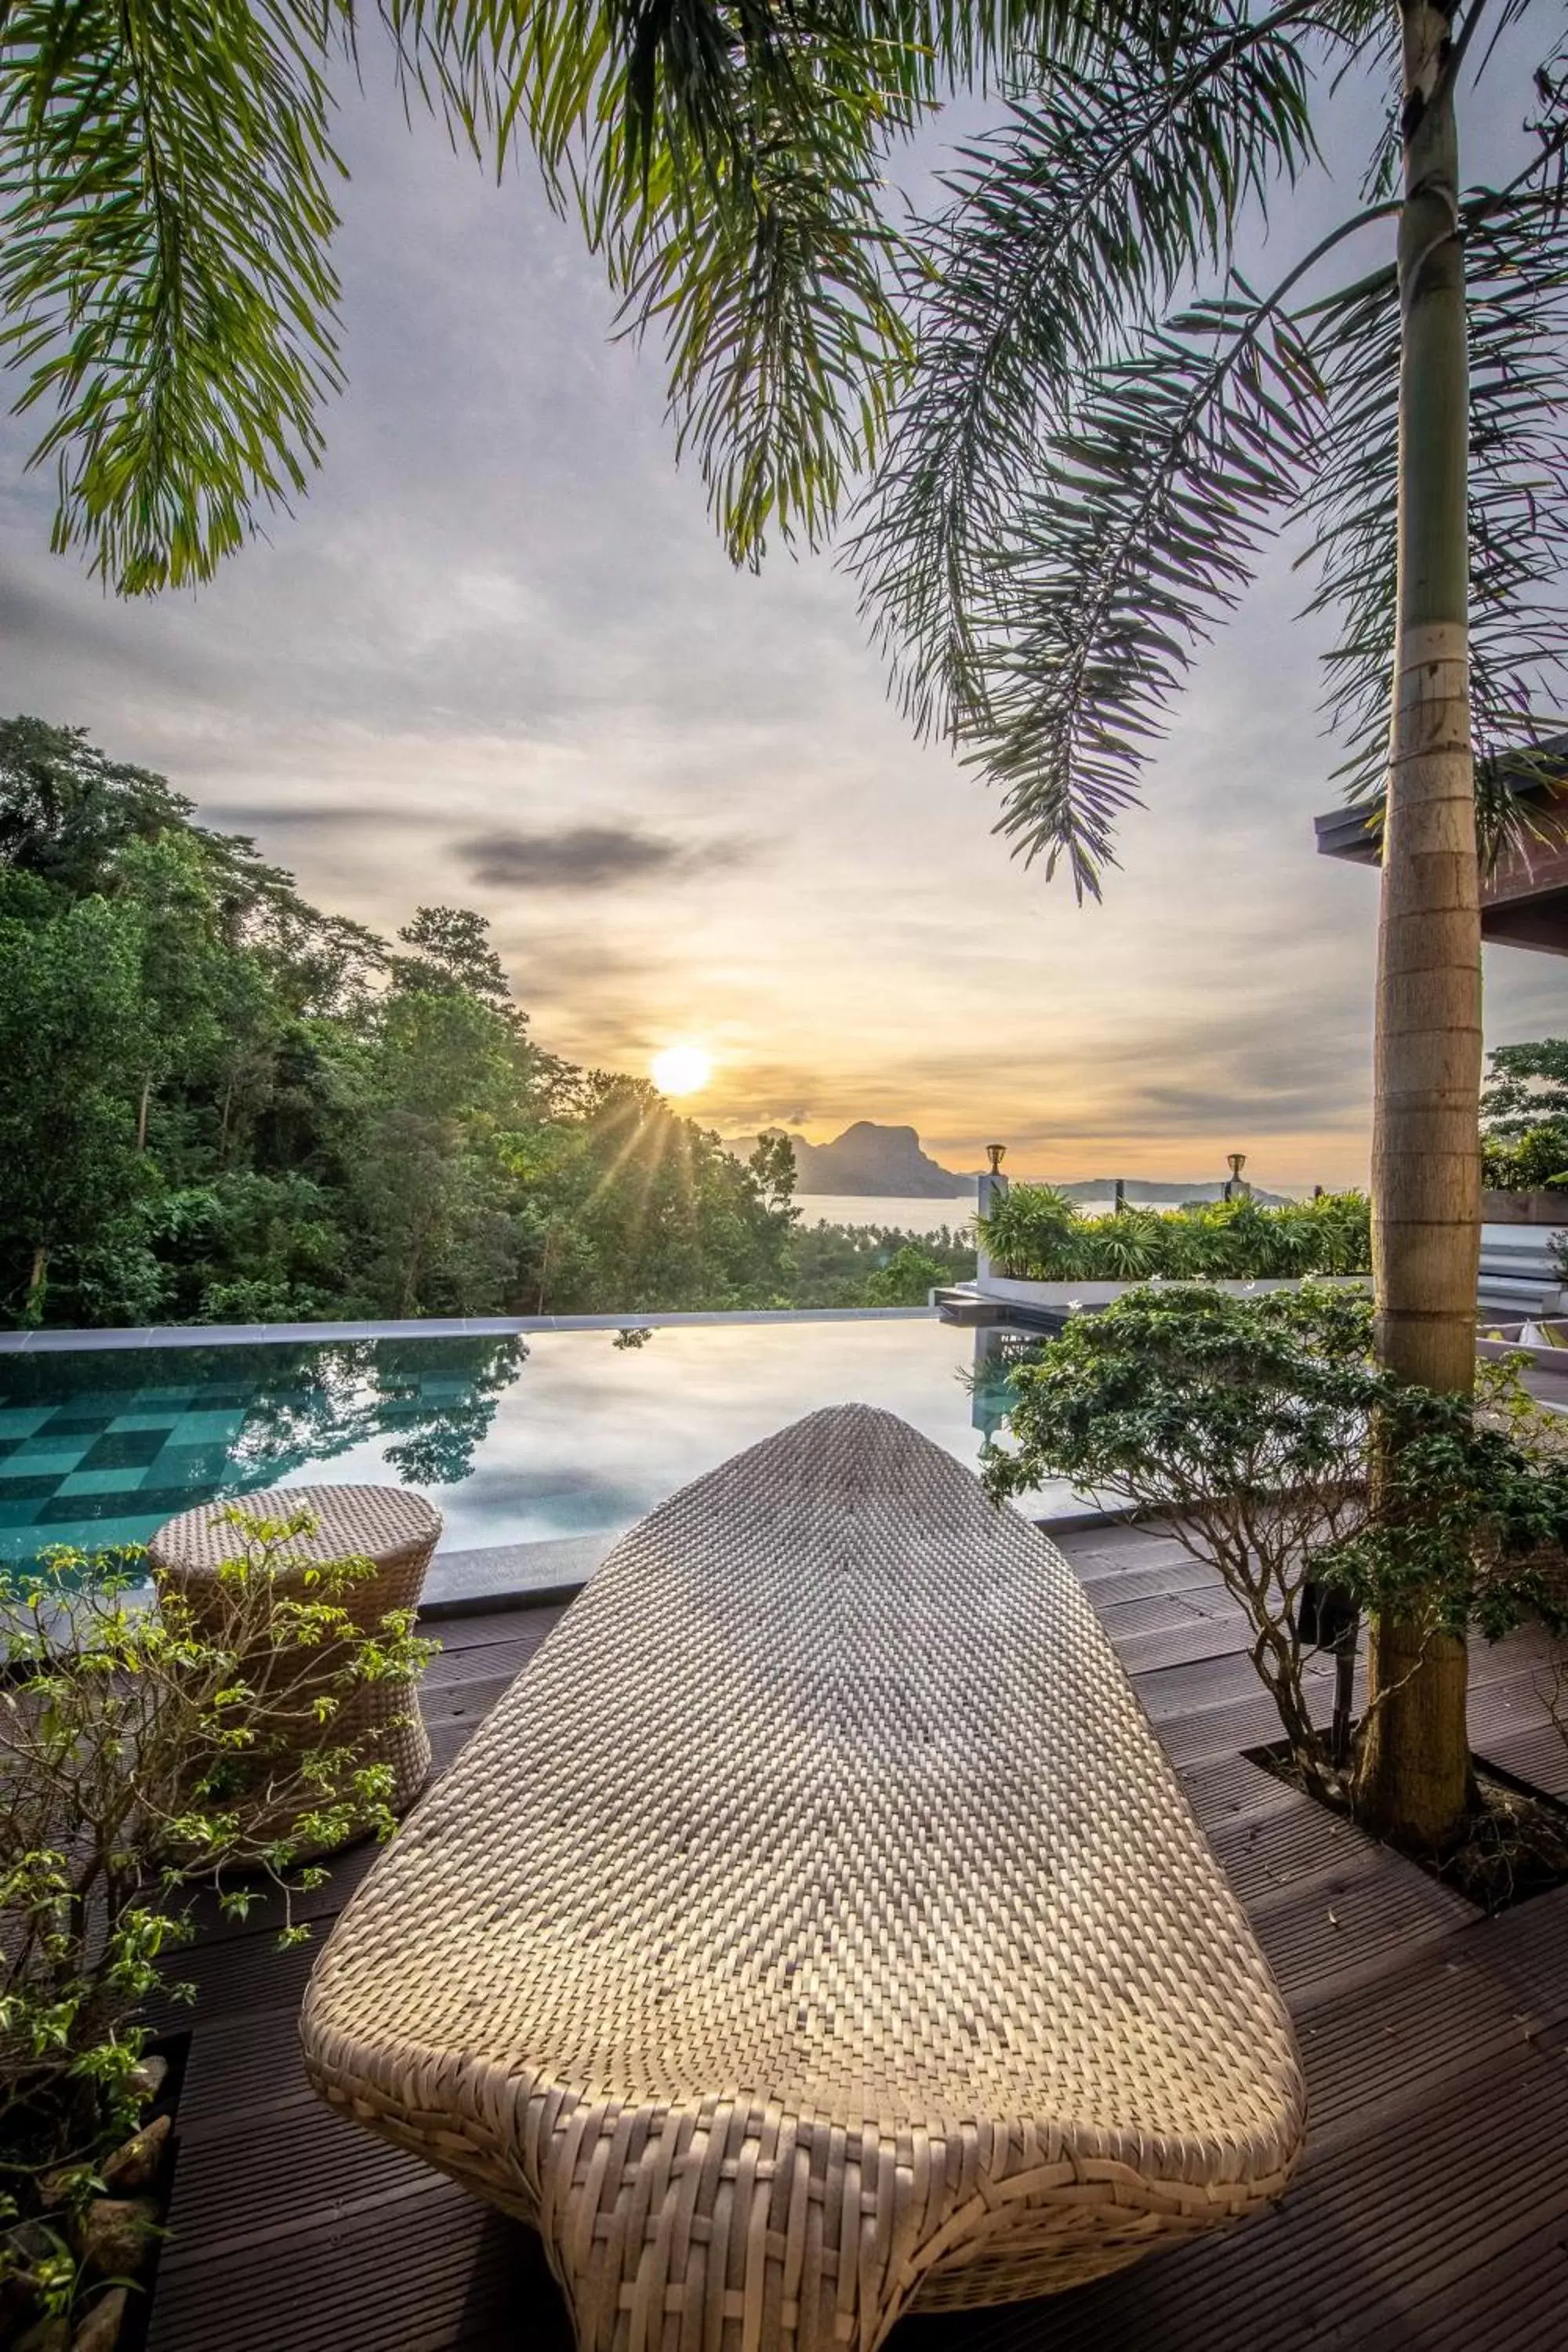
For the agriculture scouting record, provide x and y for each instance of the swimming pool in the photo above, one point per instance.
(523, 1438)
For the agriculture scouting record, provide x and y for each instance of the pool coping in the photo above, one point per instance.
(429, 1326)
(496, 1576)
(469, 1580)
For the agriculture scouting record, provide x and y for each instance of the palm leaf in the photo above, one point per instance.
(1140, 531)
(164, 278)
(1071, 226)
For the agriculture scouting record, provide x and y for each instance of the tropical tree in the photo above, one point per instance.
(1082, 423)
(71, 1012)
(1081, 420)
(1527, 1087)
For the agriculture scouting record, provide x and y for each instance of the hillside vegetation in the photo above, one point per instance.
(220, 1105)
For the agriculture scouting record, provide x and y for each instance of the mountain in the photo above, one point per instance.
(868, 1158)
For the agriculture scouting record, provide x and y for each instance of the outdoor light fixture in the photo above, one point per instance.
(997, 1154)
(1237, 1162)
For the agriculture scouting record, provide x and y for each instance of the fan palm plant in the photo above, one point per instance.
(1081, 421)
(1127, 1247)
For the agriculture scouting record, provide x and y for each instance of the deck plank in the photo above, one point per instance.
(1431, 2215)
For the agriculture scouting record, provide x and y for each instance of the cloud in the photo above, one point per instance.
(589, 857)
(499, 651)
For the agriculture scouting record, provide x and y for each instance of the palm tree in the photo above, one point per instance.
(1080, 424)
(1068, 423)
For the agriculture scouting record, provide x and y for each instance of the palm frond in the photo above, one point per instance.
(1140, 531)
(165, 275)
(728, 157)
(784, 346)
(1071, 225)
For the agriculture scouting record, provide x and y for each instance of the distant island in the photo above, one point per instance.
(868, 1160)
(887, 1162)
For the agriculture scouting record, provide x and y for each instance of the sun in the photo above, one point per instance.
(682, 1069)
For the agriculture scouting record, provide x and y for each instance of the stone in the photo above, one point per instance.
(111, 2234)
(99, 2331)
(148, 2079)
(136, 2164)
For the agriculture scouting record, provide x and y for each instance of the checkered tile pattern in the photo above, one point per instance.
(108, 1467)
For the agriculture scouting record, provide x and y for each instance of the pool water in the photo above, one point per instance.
(518, 1439)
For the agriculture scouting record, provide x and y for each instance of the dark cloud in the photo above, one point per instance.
(589, 857)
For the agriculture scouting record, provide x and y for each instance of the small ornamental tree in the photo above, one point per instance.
(1250, 1422)
(145, 1752)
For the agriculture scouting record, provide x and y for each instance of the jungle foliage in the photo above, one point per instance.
(220, 1105)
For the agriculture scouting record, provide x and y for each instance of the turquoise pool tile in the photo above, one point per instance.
(126, 1424)
(204, 1428)
(193, 1466)
(20, 1514)
(22, 1420)
(102, 1482)
(124, 1449)
(89, 1510)
(42, 1460)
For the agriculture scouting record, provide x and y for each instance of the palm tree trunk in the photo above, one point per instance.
(1414, 1776)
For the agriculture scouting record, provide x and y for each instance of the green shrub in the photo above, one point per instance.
(846, 1265)
(908, 1279)
(1035, 1233)
(1530, 1162)
(142, 1753)
(1251, 1421)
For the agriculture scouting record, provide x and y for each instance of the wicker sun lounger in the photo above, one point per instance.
(817, 1932)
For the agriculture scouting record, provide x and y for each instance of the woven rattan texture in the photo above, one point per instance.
(815, 1930)
(395, 1528)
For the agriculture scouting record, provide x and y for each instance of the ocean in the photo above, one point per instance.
(918, 1215)
(910, 1214)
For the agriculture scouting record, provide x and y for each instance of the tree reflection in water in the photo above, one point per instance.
(310, 1404)
(997, 1348)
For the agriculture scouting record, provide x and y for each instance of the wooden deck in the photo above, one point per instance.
(1432, 2208)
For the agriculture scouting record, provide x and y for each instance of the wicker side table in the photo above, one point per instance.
(398, 1529)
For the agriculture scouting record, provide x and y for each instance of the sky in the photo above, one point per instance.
(498, 658)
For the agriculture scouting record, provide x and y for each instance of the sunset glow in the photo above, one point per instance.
(682, 1069)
